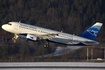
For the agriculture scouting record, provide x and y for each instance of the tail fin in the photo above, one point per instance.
(91, 33)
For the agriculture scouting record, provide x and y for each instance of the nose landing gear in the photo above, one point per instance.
(15, 38)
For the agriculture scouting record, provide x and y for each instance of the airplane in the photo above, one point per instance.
(39, 34)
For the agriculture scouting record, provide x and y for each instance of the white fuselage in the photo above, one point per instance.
(64, 38)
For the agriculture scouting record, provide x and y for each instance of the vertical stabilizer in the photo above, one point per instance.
(92, 32)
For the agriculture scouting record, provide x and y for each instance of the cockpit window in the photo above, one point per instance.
(9, 24)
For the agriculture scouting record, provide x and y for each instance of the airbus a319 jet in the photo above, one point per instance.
(39, 34)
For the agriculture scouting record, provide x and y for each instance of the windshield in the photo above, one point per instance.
(9, 24)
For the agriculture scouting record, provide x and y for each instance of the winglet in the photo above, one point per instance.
(92, 32)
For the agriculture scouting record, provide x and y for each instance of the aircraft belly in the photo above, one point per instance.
(60, 40)
(65, 41)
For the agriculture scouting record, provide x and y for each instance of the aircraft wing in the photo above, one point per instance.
(38, 37)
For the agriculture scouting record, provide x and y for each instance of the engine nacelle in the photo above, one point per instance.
(31, 37)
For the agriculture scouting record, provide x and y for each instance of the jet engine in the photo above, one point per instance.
(31, 37)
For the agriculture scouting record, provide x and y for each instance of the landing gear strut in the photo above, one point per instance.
(15, 38)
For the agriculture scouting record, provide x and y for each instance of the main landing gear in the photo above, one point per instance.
(46, 44)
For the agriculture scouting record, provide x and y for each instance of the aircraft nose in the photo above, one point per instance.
(3, 26)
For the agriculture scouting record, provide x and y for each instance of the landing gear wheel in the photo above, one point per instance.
(46, 45)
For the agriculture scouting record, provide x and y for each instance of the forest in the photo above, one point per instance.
(71, 16)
